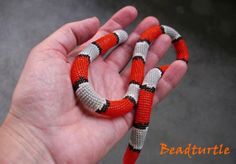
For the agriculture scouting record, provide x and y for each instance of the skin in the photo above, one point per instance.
(46, 124)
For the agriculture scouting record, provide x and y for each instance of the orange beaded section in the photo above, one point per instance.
(130, 156)
(118, 108)
(151, 34)
(106, 42)
(181, 50)
(79, 68)
(137, 71)
(143, 112)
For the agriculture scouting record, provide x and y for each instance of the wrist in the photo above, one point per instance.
(18, 144)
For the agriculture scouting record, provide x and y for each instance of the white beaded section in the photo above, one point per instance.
(141, 49)
(133, 91)
(122, 35)
(152, 77)
(171, 32)
(89, 97)
(91, 50)
(137, 137)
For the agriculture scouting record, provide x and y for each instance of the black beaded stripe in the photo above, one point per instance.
(140, 125)
(133, 149)
(84, 55)
(177, 39)
(139, 57)
(99, 48)
(134, 82)
(132, 100)
(144, 40)
(162, 30)
(117, 38)
(146, 88)
(78, 82)
(104, 107)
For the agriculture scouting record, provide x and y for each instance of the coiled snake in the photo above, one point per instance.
(140, 93)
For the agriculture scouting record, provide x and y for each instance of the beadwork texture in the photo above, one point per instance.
(141, 89)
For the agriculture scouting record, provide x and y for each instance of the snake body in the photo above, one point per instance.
(141, 89)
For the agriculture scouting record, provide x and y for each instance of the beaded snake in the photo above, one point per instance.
(140, 93)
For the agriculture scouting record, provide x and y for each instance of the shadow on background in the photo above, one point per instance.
(200, 111)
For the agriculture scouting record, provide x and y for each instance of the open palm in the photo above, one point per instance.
(44, 102)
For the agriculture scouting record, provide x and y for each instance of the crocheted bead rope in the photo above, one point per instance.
(141, 89)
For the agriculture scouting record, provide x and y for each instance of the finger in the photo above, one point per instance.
(119, 20)
(157, 51)
(170, 79)
(69, 36)
(121, 56)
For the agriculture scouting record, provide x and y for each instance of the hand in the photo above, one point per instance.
(47, 124)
